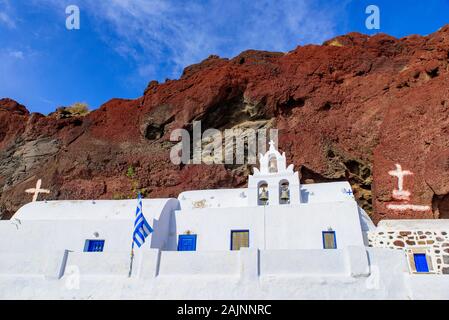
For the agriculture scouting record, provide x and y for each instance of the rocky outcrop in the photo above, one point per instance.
(349, 109)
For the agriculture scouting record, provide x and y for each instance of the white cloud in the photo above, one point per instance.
(6, 20)
(172, 34)
(17, 54)
(6, 14)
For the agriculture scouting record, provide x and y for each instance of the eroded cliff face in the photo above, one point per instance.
(347, 110)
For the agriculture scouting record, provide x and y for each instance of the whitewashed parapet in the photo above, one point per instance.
(34, 264)
(351, 261)
(99, 263)
(247, 264)
(357, 259)
(196, 263)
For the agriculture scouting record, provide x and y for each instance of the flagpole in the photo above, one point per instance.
(141, 230)
(131, 261)
(132, 245)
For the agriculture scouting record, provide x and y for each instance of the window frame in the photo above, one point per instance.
(89, 241)
(239, 230)
(193, 235)
(431, 261)
(324, 239)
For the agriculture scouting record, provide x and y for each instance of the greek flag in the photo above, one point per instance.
(141, 227)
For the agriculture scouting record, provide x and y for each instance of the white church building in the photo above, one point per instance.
(275, 239)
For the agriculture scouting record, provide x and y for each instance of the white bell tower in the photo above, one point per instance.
(273, 183)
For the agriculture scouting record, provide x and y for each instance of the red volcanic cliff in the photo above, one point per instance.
(349, 109)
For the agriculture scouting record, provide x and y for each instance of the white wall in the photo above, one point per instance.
(149, 263)
(31, 234)
(200, 263)
(303, 262)
(419, 286)
(301, 227)
(326, 192)
(271, 227)
(286, 227)
(93, 210)
(99, 263)
(46, 236)
(31, 263)
(245, 274)
(216, 198)
(213, 227)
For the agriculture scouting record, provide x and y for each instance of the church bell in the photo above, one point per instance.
(285, 195)
(273, 165)
(263, 195)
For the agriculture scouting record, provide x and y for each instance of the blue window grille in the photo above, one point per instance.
(94, 246)
(421, 262)
(329, 240)
(187, 242)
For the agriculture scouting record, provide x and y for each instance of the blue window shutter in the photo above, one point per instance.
(94, 246)
(421, 262)
(187, 242)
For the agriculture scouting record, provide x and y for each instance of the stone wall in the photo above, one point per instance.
(435, 243)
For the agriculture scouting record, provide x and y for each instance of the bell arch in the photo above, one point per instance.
(284, 191)
(273, 183)
(273, 164)
(262, 193)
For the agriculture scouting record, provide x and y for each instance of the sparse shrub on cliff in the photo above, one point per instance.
(135, 184)
(130, 173)
(335, 43)
(78, 109)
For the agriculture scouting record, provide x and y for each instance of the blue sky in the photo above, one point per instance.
(123, 44)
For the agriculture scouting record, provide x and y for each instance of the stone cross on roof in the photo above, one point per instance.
(37, 190)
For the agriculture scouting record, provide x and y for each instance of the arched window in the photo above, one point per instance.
(273, 164)
(284, 192)
(262, 193)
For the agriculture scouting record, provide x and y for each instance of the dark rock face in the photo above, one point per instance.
(347, 110)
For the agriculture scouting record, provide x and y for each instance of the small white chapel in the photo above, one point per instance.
(275, 239)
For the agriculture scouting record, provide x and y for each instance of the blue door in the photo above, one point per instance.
(187, 242)
(421, 262)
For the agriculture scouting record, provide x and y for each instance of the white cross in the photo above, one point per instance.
(271, 143)
(400, 193)
(37, 190)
